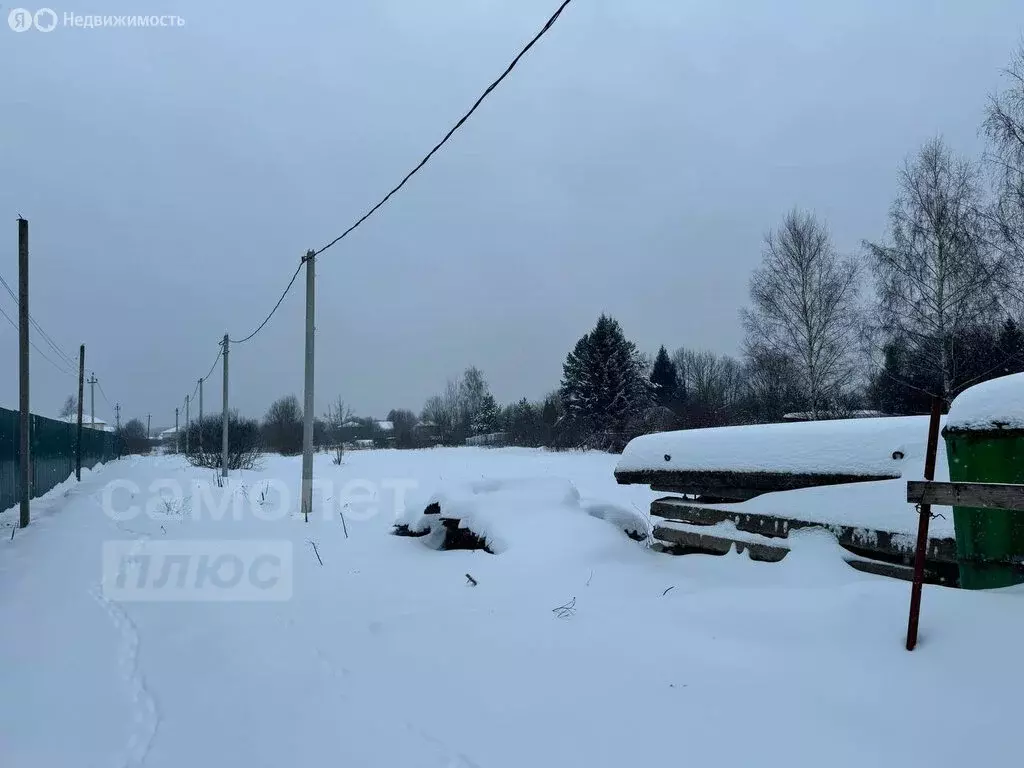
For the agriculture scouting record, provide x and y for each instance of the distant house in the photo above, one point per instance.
(87, 423)
(367, 431)
(491, 439)
(427, 433)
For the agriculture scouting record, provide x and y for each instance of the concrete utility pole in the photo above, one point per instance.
(200, 430)
(177, 437)
(187, 422)
(23, 404)
(81, 393)
(307, 412)
(224, 424)
(117, 416)
(149, 417)
(92, 399)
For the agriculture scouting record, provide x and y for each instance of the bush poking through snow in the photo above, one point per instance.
(244, 443)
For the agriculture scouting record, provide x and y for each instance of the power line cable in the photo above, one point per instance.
(64, 357)
(550, 23)
(104, 394)
(267, 320)
(215, 360)
(533, 41)
(37, 349)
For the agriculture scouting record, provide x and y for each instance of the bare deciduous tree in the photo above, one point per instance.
(804, 307)
(337, 414)
(937, 276)
(446, 412)
(282, 426)
(1004, 127)
(70, 406)
(710, 386)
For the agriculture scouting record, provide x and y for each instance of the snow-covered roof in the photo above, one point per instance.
(994, 404)
(386, 426)
(170, 432)
(73, 419)
(842, 446)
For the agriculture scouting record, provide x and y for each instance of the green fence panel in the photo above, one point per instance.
(52, 451)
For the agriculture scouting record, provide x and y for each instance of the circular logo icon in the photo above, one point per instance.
(20, 19)
(46, 20)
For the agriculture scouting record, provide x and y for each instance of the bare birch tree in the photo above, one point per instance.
(937, 276)
(1004, 127)
(804, 307)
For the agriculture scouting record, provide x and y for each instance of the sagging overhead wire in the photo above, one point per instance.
(451, 132)
(210, 372)
(104, 394)
(267, 319)
(42, 354)
(550, 23)
(63, 356)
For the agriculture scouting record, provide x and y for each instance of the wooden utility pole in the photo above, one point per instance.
(177, 435)
(81, 394)
(224, 417)
(149, 418)
(187, 422)
(307, 413)
(23, 403)
(924, 518)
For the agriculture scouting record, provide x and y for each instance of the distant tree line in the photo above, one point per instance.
(929, 310)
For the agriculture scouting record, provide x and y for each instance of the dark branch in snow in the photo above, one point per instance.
(565, 611)
(316, 552)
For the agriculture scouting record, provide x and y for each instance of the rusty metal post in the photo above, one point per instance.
(924, 518)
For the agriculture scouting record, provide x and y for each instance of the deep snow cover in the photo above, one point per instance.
(994, 404)
(843, 446)
(386, 655)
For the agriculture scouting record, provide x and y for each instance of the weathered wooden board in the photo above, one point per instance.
(980, 495)
(735, 486)
(885, 542)
(674, 540)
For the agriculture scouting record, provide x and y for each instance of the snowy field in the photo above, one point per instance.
(386, 655)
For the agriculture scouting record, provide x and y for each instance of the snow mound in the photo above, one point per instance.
(500, 512)
(632, 521)
(992, 405)
(843, 446)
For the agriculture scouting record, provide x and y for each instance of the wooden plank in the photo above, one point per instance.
(735, 486)
(672, 540)
(981, 495)
(773, 526)
(720, 545)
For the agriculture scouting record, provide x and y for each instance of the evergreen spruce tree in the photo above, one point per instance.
(488, 417)
(665, 379)
(604, 385)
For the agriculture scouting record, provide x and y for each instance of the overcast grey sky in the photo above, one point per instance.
(631, 164)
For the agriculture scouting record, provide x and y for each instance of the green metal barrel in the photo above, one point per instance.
(989, 542)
